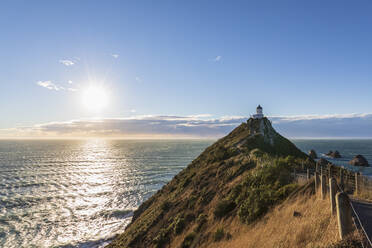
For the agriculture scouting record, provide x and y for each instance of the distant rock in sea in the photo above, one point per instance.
(334, 154)
(359, 160)
(312, 154)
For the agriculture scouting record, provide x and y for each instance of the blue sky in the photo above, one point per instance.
(183, 58)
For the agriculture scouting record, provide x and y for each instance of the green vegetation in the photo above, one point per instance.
(162, 238)
(219, 234)
(178, 224)
(223, 208)
(188, 240)
(165, 206)
(201, 220)
(262, 188)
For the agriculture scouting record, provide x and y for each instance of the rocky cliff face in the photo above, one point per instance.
(239, 177)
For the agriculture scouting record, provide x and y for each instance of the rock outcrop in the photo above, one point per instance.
(238, 178)
(334, 154)
(312, 154)
(359, 160)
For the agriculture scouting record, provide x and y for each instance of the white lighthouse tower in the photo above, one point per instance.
(259, 114)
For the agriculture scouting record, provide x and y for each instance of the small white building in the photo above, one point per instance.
(259, 114)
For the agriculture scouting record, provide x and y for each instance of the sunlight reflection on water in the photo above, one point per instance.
(78, 193)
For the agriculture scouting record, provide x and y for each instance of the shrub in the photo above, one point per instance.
(188, 240)
(256, 204)
(165, 206)
(201, 220)
(191, 201)
(206, 197)
(262, 188)
(223, 208)
(284, 191)
(190, 217)
(219, 234)
(162, 238)
(257, 153)
(221, 153)
(178, 225)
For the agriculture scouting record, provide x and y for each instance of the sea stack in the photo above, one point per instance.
(359, 160)
(334, 154)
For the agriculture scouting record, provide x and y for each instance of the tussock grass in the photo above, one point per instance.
(363, 194)
(315, 227)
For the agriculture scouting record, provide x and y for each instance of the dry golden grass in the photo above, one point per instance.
(363, 194)
(316, 227)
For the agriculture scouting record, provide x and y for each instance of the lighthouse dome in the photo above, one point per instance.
(259, 114)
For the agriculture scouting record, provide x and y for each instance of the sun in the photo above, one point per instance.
(95, 98)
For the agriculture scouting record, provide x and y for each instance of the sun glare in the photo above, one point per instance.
(95, 98)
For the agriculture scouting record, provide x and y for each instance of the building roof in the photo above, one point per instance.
(259, 107)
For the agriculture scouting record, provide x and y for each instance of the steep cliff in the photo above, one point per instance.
(238, 178)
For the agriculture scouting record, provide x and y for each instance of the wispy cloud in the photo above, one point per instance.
(49, 85)
(70, 82)
(201, 125)
(52, 86)
(217, 58)
(138, 79)
(67, 62)
(115, 55)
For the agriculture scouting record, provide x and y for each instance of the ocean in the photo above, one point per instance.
(348, 148)
(82, 193)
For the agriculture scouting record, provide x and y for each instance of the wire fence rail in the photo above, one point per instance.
(346, 184)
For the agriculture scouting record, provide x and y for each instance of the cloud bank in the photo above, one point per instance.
(197, 126)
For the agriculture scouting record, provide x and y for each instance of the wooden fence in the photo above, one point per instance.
(339, 183)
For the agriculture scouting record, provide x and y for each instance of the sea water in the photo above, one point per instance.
(348, 148)
(82, 193)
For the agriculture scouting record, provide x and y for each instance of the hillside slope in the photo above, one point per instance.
(238, 178)
(312, 226)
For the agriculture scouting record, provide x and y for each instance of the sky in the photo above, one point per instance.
(204, 66)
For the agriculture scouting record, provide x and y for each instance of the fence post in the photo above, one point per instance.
(294, 172)
(308, 174)
(323, 186)
(316, 181)
(316, 168)
(332, 194)
(356, 184)
(330, 170)
(341, 179)
(343, 215)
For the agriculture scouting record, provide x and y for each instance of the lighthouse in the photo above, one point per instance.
(259, 114)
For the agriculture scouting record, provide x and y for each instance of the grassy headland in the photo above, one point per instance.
(228, 195)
